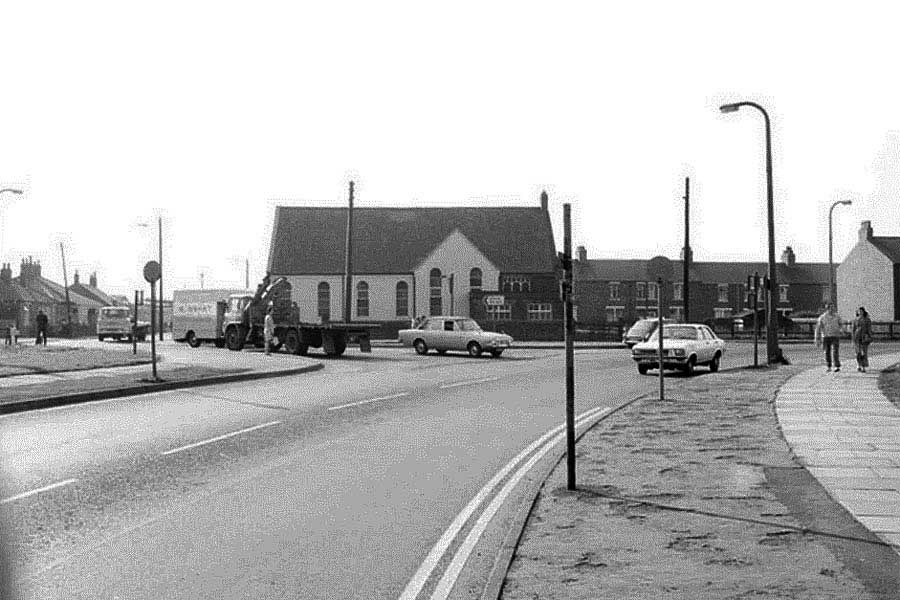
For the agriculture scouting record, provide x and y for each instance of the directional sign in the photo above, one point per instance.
(494, 300)
(152, 271)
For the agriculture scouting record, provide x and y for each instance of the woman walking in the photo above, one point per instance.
(862, 337)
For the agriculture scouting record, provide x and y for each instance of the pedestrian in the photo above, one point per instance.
(862, 337)
(269, 329)
(828, 333)
(14, 334)
(42, 322)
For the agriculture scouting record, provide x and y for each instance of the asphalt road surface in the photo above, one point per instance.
(387, 475)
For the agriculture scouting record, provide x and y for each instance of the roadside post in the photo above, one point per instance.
(659, 329)
(569, 335)
(134, 320)
(753, 286)
(152, 274)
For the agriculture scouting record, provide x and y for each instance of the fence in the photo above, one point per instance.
(802, 329)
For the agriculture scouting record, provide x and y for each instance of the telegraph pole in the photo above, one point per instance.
(348, 262)
(569, 332)
(161, 322)
(685, 286)
(68, 323)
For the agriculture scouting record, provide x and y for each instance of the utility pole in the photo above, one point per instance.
(348, 262)
(685, 286)
(569, 334)
(161, 321)
(68, 323)
(247, 274)
(659, 331)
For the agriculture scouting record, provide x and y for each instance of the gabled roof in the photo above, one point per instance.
(44, 291)
(311, 240)
(89, 291)
(705, 272)
(889, 246)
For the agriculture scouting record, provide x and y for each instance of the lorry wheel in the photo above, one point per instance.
(234, 338)
(642, 369)
(142, 337)
(292, 341)
(303, 350)
(192, 340)
(339, 347)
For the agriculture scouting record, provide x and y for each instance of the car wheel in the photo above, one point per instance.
(474, 349)
(100, 338)
(420, 346)
(689, 367)
(496, 353)
(642, 369)
(192, 340)
(714, 363)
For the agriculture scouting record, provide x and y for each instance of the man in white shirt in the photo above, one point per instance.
(828, 333)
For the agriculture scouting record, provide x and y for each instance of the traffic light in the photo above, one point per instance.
(451, 283)
(565, 262)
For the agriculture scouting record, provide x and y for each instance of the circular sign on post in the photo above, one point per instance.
(152, 271)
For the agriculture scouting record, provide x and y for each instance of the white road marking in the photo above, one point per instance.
(451, 574)
(415, 585)
(220, 437)
(468, 382)
(361, 402)
(38, 491)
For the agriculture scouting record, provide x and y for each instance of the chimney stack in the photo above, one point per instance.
(544, 201)
(75, 278)
(582, 253)
(93, 279)
(865, 231)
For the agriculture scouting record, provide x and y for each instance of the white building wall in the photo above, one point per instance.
(382, 296)
(866, 278)
(457, 255)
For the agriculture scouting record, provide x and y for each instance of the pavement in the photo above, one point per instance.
(178, 366)
(847, 434)
(782, 482)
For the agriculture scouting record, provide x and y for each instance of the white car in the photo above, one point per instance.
(684, 347)
(454, 333)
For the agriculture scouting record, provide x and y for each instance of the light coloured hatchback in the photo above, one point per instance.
(454, 333)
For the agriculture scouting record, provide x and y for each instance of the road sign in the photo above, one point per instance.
(152, 271)
(494, 300)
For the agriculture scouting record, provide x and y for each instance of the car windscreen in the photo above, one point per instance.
(674, 332)
(469, 325)
(642, 328)
(114, 313)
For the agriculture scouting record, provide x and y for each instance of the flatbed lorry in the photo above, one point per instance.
(239, 319)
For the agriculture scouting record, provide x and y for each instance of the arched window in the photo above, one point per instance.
(475, 279)
(435, 300)
(362, 299)
(324, 302)
(402, 299)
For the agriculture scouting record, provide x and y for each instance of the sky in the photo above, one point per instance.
(209, 115)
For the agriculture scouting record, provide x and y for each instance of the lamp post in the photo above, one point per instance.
(832, 289)
(772, 350)
(18, 192)
(160, 261)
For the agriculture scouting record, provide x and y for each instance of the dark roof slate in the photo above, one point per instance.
(93, 293)
(706, 272)
(889, 246)
(310, 240)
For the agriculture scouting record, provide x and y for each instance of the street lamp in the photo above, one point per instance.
(832, 290)
(160, 260)
(772, 350)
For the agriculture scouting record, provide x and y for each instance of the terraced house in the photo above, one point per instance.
(495, 264)
(614, 291)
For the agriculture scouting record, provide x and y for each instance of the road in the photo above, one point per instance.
(333, 484)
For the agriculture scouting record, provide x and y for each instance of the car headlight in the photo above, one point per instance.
(679, 351)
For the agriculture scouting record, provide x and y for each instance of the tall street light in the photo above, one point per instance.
(772, 350)
(11, 191)
(832, 289)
